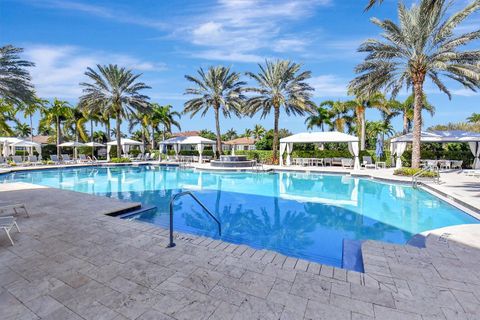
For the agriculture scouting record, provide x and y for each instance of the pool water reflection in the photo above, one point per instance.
(297, 214)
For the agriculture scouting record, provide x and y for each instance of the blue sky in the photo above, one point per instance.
(165, 40)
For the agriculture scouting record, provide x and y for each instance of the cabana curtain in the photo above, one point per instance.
(399, 150)
(475, 148)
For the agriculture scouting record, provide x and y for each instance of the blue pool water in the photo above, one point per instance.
(297, 214)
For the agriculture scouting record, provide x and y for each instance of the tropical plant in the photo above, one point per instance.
(75, 124)
(474, 118)
(406, 107)
(229, 135)
(15, 80)
(23, 130)
(164, 116)
(247, 133)
(359, 105)
(319, 119)
(29, 109)
(280, 84)
(7, 114)
(99, 136)
(258, 132)
(207, 134)
(219, 89)
(423, 45)
(54, 115)
(114, 91)
(341, 117)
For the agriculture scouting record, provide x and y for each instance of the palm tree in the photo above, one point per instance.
(114, 91)
(15, 85)
(423, 45)
(247, 133)
(76, 124)
(7, 114)
(321, 118)
(340, 114)
(406, 107)
(23, 130)
(280, 84)
(29, 109)
(359, 105)
(474, 118)
(219, 88)
(230, 135)
(163, 115)
(142, 119)
(100, 137)
(57, 112)
(258, 131)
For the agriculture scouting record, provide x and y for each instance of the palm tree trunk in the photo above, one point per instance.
(417, 123)
(91, 136)
(153, 138)
(219, 137)
(275, 133)
(31, 128)
(118, 134)
(58, 135)
(107, 125)
(405, 123)
(363, 128)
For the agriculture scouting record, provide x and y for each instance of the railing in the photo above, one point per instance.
(434, 168)
(172, 200)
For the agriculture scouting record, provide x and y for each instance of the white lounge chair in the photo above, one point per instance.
(7, 223)
(17, 160)
(3, 162)
(12, 209)
(347, 163)
(456, 164)
(367, 162)
(54, 158)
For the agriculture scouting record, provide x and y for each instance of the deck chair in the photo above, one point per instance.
(54, 158)
(83, 158)
(347, 163)
(13, 210)
(456, 164)
(3, 162)
(367, 162)
(66, 159)
(33, 160)
(17, 160)
(7, 223)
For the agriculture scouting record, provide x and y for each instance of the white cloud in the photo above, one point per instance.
(59, 69)
(225, 55)
(329, 85)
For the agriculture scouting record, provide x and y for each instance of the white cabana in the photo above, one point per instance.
(286, 144)
(199, 142)
(399, 144)
(93, 145)
(5, 144)
(74, 145)
(29, 145)
(125, 144)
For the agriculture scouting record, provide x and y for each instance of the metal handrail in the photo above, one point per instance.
(183, 193)
(427, 168)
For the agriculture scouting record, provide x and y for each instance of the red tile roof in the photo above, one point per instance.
(243, 141)
(42, 139)
(186, 134)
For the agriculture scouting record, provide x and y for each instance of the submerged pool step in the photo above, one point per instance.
(352, 255)
(134, 211)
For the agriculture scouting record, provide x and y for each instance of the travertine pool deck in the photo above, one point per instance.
(73, 262)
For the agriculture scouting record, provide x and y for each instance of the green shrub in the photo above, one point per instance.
(408, 172)
(120, 160)
(48, 162)
(466, 156)
(264, 156)
(134, 152)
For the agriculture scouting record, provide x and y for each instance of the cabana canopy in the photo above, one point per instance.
(94, 144)
(9, 144)
(319, 137)
(399, 144)
(198, 141)
(71, 144)
(125, 143)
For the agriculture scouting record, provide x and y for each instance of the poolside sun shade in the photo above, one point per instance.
(399, 144)
(286, 144)
(125, 144)
(198, 141)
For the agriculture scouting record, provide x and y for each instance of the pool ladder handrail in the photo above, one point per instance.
(417, 175)
(183, 193)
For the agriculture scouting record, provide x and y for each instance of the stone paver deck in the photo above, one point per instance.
(73, 262)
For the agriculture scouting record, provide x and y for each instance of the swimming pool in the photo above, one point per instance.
(303, 215)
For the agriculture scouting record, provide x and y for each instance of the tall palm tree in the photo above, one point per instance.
(219, 89)
(258, 131)
(423, 45)
(23, 130)
(230, 134)
(359, 105)
(247, 133)
(340, 114)
(320, 118)
(76, 124)
(114, 91)
(474, 118)
(30, 108)
(15, 80)
(164, 116)
(54, 114)
(7, 114)
(406, 107)
(280, 83)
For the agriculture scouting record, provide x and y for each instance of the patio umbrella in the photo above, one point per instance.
(379, 147)
(93, 144)
(73, 144)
